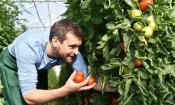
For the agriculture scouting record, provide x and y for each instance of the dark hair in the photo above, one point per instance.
(62, 27)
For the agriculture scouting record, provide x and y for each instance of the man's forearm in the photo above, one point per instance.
(37, 96)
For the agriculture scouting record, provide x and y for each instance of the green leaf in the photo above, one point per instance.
(167, 69)
(131, 3)
(114, 63)
(153, 96)
(127, 87)
(110, 26)
(128, 99)
(85, 4)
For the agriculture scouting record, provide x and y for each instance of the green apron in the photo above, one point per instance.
(9, 78)
(8, 71)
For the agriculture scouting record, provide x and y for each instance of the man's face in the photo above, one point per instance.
(69, 48)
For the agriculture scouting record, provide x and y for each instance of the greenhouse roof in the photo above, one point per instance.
(41, 14)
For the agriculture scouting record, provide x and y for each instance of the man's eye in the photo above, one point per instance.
(73, 46)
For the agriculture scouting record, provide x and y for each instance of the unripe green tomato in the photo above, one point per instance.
(150, 19)
(138, 26)
(153, 25)
(125, 70)
(148, 32)
(105, 38)
(135, 14)
(135, 0)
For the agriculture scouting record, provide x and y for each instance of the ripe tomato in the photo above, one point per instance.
(143, 4)
(122, 46)
(151, 2)
(79, 77)
(137, 63)
(91, 81)
(137, 26)
(113, 99)
(148, 31)
(80, 73)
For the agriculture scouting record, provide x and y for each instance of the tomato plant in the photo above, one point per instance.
(79, 77)
(137, 63)
(11, 25)
(144, 4)
(91, 81)
(156, 54)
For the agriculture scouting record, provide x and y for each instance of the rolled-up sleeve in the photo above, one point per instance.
(27, 73)
(79, 64)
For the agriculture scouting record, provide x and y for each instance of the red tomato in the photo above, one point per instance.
(80, 73)
(122, 46)
(91, 81)
(79, 77)
(113, 99)
(151, 2)
(143, 4)
(137, 63)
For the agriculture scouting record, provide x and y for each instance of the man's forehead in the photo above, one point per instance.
(71, 35)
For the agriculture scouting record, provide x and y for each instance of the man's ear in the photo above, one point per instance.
(55, 41)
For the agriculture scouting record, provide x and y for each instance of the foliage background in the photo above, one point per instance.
(10, 26)
(10, 23)
(106, 23)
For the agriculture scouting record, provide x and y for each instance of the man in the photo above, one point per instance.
(25, 62)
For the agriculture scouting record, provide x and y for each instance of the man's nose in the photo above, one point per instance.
(75, 51)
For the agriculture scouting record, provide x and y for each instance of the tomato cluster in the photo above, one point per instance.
(79, 77)
(150, 26)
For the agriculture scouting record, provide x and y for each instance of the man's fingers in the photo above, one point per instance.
(72, 75)
(87, 87)
(84, 82)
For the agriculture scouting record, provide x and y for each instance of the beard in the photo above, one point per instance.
(69, 59)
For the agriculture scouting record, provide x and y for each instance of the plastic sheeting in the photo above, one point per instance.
(41, 14)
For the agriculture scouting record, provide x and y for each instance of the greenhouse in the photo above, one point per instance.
(87, 52)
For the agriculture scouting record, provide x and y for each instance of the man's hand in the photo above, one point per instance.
(71, 86)
(37, 96)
